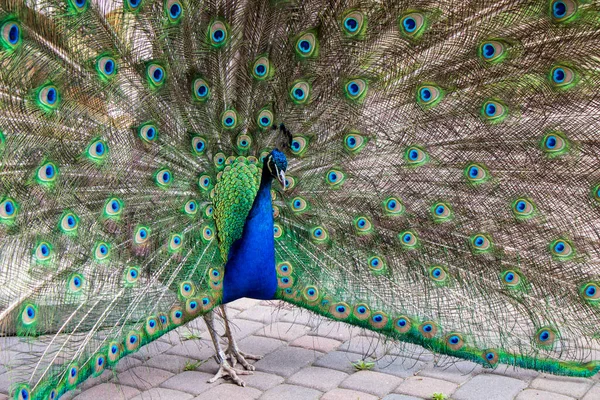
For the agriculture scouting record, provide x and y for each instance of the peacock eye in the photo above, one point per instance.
(133, 5)
(148, 132)
(8, 210)
(218, 34)
(510, 278)
(190, 207)
(441, 212)
(300, 92)
(562, 249)
(113, 207)
(131, 275)
(198, 145)
(43, 252)
(429, 95)
(229, 119)
(438, 274)
(408, 239)
(175, 242)
(106, 67)
(97, 150)
(11, 35)
(163, 178)
(264, 118)
(494, 111)
(244, 142)
(413, 24)
(47, 173)
(562, 77)
(376, 264)
(261, 69)
(208, 233)
(299, 145)
(307, 45)
(545, 337)
(480, 243)
(299, 204)
(362, 225)
(174, 10)
(354, 142)
(319, 234)
(48, 97)
(141, 235)
(416, 156)
(356, 89)
(476, 173)
(102, 251)
(354, 24)
(78, 5)
(563, 10)
(156, 75)
(335, 178)
(76, 283)
(523, 208)
(204, 182)
(69, 222)
(200, 90)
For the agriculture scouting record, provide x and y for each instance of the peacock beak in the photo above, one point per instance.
(281, 179)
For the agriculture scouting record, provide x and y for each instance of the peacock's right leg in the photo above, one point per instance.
(225, 370)
(233, 352)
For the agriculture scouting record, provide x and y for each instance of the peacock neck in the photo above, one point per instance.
(250, 269)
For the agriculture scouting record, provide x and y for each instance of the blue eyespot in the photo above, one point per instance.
(175, 11)
(521, 205)
(407, 238)
(73, 372)
(479, 240)
(509, 277)
(132, 339)
(488, 50)
(332, 176)
(13, 34)
(544, 335)
(176, 240)
(351, 24)
(134, 3)
(402, 322)
(44, 250)
(202, 90)
(353, 88)
(178, 314)
(103, 249)
(193, 305)
(341, 309)
(439, 210)
(150, 133)
(304, 46)
(374, 262)
(490, 109)
(166, 177)
(218, 35)
(157, 74)
(114, 205)
(77, 282)
(473, 172)
(490, 356)
(409, 24)
(558, 75)
(260, 70)
(299, 94)
(100, 361)
(49, 171)
(551, 141)
(30, 312)
(114, 349)
(591, 290)
(311, 292)
(427, 327)
(361, 310)
(436, 272)
(378, 318)
(559, 9)
(133, 273)
(229, 121)
(9, 208)
(361, 222)
(413, 155)
(559, 247)
(454, 339)
(425, 94)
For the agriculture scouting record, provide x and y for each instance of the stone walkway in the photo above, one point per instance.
(308, 357)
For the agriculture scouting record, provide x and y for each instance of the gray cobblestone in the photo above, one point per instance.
(422, 386)
(286, 331)
(318, 378)
(143, 377)
(346, 394)
(108, 391)
(490, 387)
(286, 361)
(192, 382)
(290, 392)
(324, 345)
(568, 386)
(395, 396)
(263, 314)
(593, 393)
(534, 394)
(263, 381)
(372, 382)
(259, 345)
(339, 360)
(367, 346)
(452, 370)
(398, 366)
(162, 394)
(168, 362)
(229, 392)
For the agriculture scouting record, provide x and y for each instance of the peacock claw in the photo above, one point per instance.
(236, 355)
(227, 371)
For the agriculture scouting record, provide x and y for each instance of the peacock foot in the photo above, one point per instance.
(236, 355)
(227, 371)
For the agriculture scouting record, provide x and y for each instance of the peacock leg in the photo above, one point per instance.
(233, 352)
(225, 370)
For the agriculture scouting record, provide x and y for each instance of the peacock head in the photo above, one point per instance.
(276, 163)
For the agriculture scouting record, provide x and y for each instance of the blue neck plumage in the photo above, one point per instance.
(250, 269)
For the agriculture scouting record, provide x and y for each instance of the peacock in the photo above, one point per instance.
(427, 170)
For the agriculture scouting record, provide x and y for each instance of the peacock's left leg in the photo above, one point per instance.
(233, 352)
(224, 368)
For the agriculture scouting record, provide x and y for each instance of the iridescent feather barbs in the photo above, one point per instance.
(442, 184)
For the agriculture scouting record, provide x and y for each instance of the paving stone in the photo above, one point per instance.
(259, 345)
(283, 331)
(243, 304)
(372, 382)
(593, 393)
(162, 394)
(324, 345)
(412, 351)
(302, 317)
(395, 396)
(107, 391)
(285, 361)
(151, 349)
(535, 394)
(322, 379)
(230, 391)
(340, 360)
(335, 330)
(398, 366)
(105, 376)
(168, 362)
(196, 349)
(263, 314)
(422, 386)
(290, 392)
(490, 387)
(192, 382)
(346, 394)
(143, 377)
(455, 371)
(368, 346)
(262, 381)
(127, 363)
(575, 387)
(72, 394)
(511, 371)
(3, 397)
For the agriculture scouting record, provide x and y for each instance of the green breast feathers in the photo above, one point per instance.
(233, 195)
